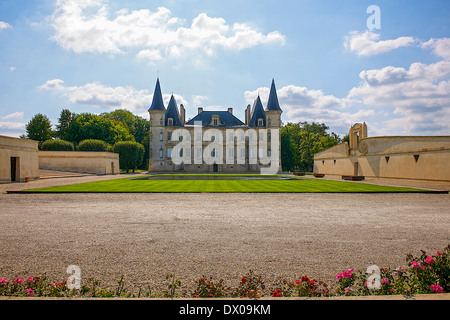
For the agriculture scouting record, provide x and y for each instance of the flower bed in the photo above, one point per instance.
(422, 275)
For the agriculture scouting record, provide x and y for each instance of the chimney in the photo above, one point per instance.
(182, 114)
(247, 115)
(230, 110)
(200, 110)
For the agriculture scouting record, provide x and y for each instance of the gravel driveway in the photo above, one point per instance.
(145, 236)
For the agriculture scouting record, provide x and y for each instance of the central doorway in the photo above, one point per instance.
(215, 167)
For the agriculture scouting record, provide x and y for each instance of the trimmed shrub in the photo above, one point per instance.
(57, 145)
(94, 145)
(131, 154)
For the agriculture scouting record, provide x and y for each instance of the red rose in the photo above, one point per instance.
(243, 280)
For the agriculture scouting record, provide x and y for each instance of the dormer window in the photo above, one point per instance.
(170, 122)
(260, 122)
(215, 120)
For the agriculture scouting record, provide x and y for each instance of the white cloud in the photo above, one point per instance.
(302, 104)
(87, 26)
(4, 26)
(15, 115)
(419, 96)
(368, 43)
(11, 125)
(441, 47)
(150, 54)
(198, 100)
(99, 96)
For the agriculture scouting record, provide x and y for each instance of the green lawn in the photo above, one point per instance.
(229, 185)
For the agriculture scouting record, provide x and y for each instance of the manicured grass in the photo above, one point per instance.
(126, 185)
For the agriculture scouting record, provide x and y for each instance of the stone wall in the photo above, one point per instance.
(399, 157)
(25, 154)
(78, 161)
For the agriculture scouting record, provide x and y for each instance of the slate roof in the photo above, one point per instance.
(172, 112)
(257, 113)
(226, 119)
(272, 104)
(157, 103)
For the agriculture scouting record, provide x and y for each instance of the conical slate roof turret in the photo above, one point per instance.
(157, 103)
(257, 113)
(172, 112)
(273, 104)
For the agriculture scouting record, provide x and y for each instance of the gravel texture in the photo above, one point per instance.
(145, 236)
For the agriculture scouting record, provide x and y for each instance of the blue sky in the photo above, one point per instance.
(100, 55)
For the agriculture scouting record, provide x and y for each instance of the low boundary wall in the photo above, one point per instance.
(80, 161)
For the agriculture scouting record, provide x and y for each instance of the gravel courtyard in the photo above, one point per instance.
(145, 236)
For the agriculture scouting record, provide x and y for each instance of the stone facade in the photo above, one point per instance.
(213, 141)
(18, 159)
(393, 157)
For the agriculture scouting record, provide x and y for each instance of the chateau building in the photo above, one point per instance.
(214, 141)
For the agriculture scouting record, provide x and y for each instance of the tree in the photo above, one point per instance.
(300, 141)
(131, 154)
(39, 128)
(92, 126)
(137, 126)
(64, 121)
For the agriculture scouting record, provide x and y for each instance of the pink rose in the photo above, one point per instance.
(429, 260)
(437, 288)
(30, 292)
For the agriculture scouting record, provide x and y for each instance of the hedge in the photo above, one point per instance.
(131, 154)
(57, 145)
(94, 145)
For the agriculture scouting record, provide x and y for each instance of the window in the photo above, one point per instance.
(261, 136)
(161, 121)
(199, 137)
(251, 153)
(242, 137)
(169, 136)
(199, 152)
(260, 122)
(269, 153)
(215, 122)
(269, 137)
(161, 136)
(260, 153)
(231, 136)
(169, 152)
(188, 152)
(242, 153)
(269, 123)
(170, 122)
(231, 152)
(161, 153)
